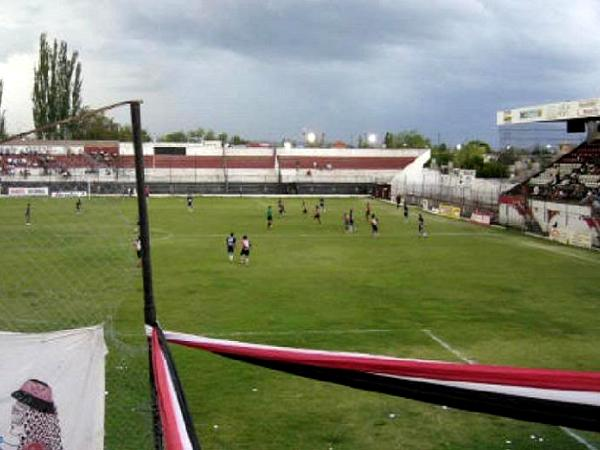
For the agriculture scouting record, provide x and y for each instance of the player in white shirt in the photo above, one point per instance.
(245, 253)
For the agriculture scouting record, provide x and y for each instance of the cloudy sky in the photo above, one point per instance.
(271, 68)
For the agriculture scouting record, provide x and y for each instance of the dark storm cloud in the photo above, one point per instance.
(270, 68)
(310, 31)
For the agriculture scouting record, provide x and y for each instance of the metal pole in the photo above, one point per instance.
(144, 230)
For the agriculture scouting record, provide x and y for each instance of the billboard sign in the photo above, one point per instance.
(28, 191)
(550, 112)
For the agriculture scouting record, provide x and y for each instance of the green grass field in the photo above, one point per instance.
(495, 296)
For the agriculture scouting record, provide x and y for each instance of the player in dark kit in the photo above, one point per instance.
(398, 200)
(351, 221)
(245, 253)
(304, 208)
(368, 211)
(28, 214)
(230, 241)
(269, 217)
(190, 202)
(422, 232)
(317, 215)
(322, 204)
(78, 206)
(405, 212)
(281, 207)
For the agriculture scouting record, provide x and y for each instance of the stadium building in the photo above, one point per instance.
(103, 167)
(561, 201)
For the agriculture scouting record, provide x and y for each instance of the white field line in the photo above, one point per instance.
(289, 332)
(562, 251)
(448, 347)
(342, 235)
(459, 355)
(303, 332)
(578, 438)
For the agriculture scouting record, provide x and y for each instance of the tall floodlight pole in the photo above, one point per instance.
(144, 236)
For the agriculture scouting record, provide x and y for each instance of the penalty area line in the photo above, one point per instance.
(448, 347)
(462, 357)
(578, 438)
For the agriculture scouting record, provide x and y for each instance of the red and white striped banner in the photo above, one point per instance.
(557, 397)
(175, 425)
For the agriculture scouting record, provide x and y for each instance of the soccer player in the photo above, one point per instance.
(422, 232)
(190, 202)
(78, 205)
(28, 214)
(398, 200)
(138, 250)
(269, 217)
(317, 215)
(351, 220)
(405, 212)
(230, 241)
(245, 253)
(304, 208)
(374, 226)
(368, 211)
(281, 207)
(346, 222)
(322, 204)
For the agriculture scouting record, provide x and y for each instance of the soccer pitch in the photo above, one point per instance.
(464, 292)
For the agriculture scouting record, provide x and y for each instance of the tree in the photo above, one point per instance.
(388, 140)
(493, 169)
(96, 127)
(236, 140)
(210, 136)
(56, 88)
(176, 136)
(196, 135)
(441, 154)
(406, 139)
(223, 137)
(362, 142)
(2, 113)
(470, 156)
(100, 127)
(126, 134)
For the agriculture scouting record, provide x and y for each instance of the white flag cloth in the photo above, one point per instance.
(52, 390)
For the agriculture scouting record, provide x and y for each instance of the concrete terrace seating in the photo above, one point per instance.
(575, 177)
(101, 149)
(344, 163)
(250, 162)
(107, 161)
(185, 162)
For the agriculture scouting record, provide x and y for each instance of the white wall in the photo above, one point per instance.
(462, 185)
(352, 152)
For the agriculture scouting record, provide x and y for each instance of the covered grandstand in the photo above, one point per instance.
(561, 201)
(108, 167)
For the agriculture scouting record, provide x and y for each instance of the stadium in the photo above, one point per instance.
(370, 290)
(313, 285)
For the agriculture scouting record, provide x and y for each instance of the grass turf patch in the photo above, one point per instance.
(497, 297)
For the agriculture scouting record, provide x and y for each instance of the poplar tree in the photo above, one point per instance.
(2, 113)
(56, 87)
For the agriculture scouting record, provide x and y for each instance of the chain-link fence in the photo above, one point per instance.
(64, 266)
